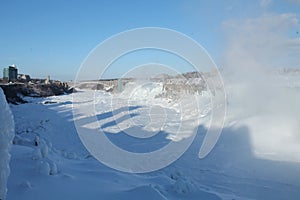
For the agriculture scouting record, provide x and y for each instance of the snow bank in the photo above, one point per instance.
(6, 136)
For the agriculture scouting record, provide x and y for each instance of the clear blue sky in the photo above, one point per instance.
(53, 37)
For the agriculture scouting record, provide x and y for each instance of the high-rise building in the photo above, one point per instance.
(10, 73)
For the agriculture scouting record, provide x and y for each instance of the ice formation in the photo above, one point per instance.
(6, 136)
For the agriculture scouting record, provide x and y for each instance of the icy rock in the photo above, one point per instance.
(36, 154)
(47, 167)
(6, 137)
(53, 168)
(44, 148)
(44, 167)
(36, 140)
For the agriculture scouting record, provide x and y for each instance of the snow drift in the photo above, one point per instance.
(6, 136)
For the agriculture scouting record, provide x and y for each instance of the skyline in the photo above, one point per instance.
(53, 38)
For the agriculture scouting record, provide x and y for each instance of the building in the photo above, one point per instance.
(48, 81)
(24, 77)
(10, 73)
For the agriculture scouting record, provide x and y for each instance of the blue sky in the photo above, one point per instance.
(54, 37)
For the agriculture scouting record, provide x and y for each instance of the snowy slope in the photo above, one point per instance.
(50, 162)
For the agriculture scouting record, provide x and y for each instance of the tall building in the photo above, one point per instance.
(10, 73)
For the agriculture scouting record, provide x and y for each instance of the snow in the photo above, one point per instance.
(252, 159)
(6, 136)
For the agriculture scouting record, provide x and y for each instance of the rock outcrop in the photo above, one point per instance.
(15, 92)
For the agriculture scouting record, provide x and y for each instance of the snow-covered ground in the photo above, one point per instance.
(253, 159)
